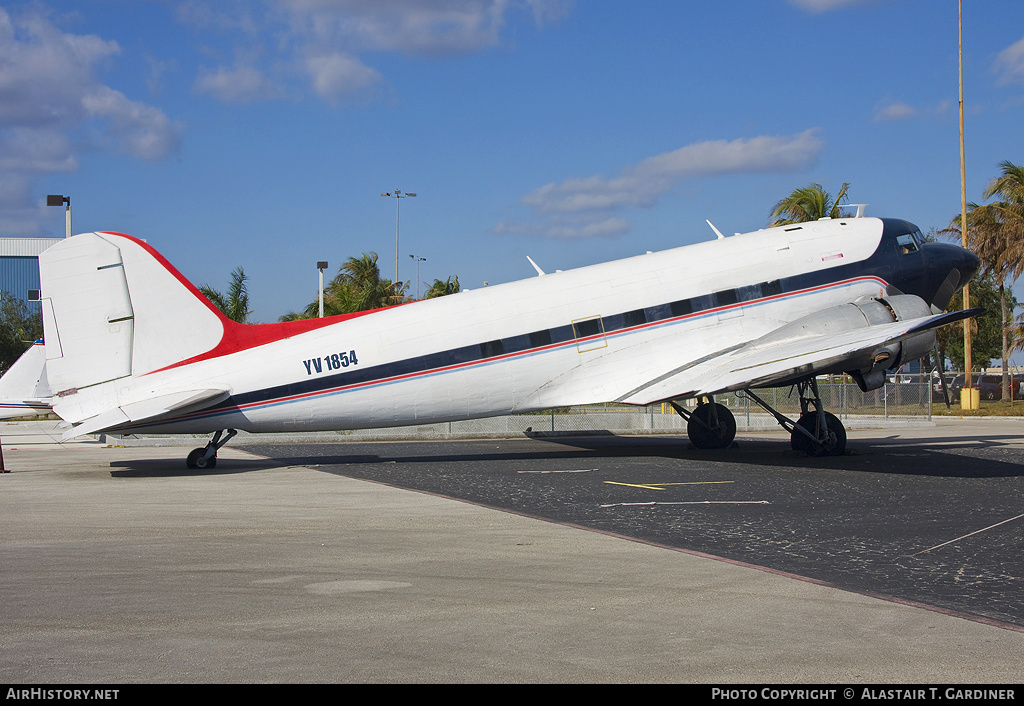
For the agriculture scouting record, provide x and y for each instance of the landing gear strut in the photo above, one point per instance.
(816, 433)
(206, 457)
(710, 425)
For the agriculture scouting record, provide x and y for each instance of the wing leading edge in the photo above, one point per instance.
(781, 362)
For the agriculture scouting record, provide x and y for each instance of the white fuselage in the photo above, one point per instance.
(470, 354)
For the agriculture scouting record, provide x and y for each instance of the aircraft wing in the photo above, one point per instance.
(777, 363)
(149, 410)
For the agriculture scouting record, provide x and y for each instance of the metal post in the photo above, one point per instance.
(321, 266)
(418, 261)
(58, 200)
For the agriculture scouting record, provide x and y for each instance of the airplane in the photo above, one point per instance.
(133, 347)
(24, 391)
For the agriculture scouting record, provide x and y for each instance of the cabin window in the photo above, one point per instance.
(682, 307)
(749, 293)
(726, 297)
(587, 327)
(703, 302)
(658, 313)
(491, 349)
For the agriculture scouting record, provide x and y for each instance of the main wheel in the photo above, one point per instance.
(704, 433)
(833, 442)
(195, 459)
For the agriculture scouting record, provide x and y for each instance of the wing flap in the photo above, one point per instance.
(149, 410)
(756, 365)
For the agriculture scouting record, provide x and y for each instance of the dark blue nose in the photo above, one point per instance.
(949, 268)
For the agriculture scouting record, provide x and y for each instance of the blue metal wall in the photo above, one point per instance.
(18, 275)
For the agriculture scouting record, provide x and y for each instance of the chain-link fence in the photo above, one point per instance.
(907, 398)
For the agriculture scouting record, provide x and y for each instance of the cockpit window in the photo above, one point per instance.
(908, 243)
(907, 235)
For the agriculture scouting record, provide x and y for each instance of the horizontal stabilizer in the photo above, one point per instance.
(23, 388)
(149, 410)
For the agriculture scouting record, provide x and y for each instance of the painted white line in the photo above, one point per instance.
(969, 534)
(582, 470)
(693, 502)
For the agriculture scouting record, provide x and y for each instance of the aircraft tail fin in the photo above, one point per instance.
(114, 309)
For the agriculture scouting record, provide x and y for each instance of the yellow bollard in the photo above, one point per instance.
(970, 398)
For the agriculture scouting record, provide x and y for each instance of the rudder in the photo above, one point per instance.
(113, 308)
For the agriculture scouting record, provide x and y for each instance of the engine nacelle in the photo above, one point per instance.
(869, 372)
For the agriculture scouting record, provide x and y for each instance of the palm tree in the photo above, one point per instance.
(808, 204)
(19, 326)
(442, 287)
(358, 286)
(235, 304)
(995, 232)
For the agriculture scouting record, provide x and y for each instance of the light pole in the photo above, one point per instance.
(397, 196)
(58, 200)
(321, 266)
(418, 261)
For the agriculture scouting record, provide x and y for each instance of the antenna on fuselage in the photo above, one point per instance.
(717, 232)
(861, 207)
(540, 272)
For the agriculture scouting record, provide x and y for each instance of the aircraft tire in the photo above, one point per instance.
(195, 459)
(834, 443)
(705, 436)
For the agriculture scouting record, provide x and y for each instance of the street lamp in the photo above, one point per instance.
(321, 266)
(418, 261)
(397, 196)
(58, 200)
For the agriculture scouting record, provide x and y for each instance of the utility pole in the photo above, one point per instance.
(963, 196)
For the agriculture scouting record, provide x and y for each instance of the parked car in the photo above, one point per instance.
(954, 383)
(989, 386)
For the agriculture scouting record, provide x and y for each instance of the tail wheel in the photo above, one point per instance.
(705, 433)
(831, 443)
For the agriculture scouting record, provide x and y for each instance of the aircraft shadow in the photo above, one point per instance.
(931, 456)
(175, 467)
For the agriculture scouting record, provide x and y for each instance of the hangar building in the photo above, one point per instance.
(19, 264)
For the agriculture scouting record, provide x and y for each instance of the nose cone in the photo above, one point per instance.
(950, 267)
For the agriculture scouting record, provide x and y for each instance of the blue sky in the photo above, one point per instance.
(261, 133)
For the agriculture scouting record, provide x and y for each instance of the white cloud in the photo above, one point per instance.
(894, 111)
(605, 228)
(644, 183)
(242, 84)
(53, 105)
(324, 40)
(826, 5)
(1010, 63)
(135, 128)
(436, 27)
(582, 207)
(337, 75)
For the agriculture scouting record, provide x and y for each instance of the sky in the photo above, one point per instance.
(262, 133)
